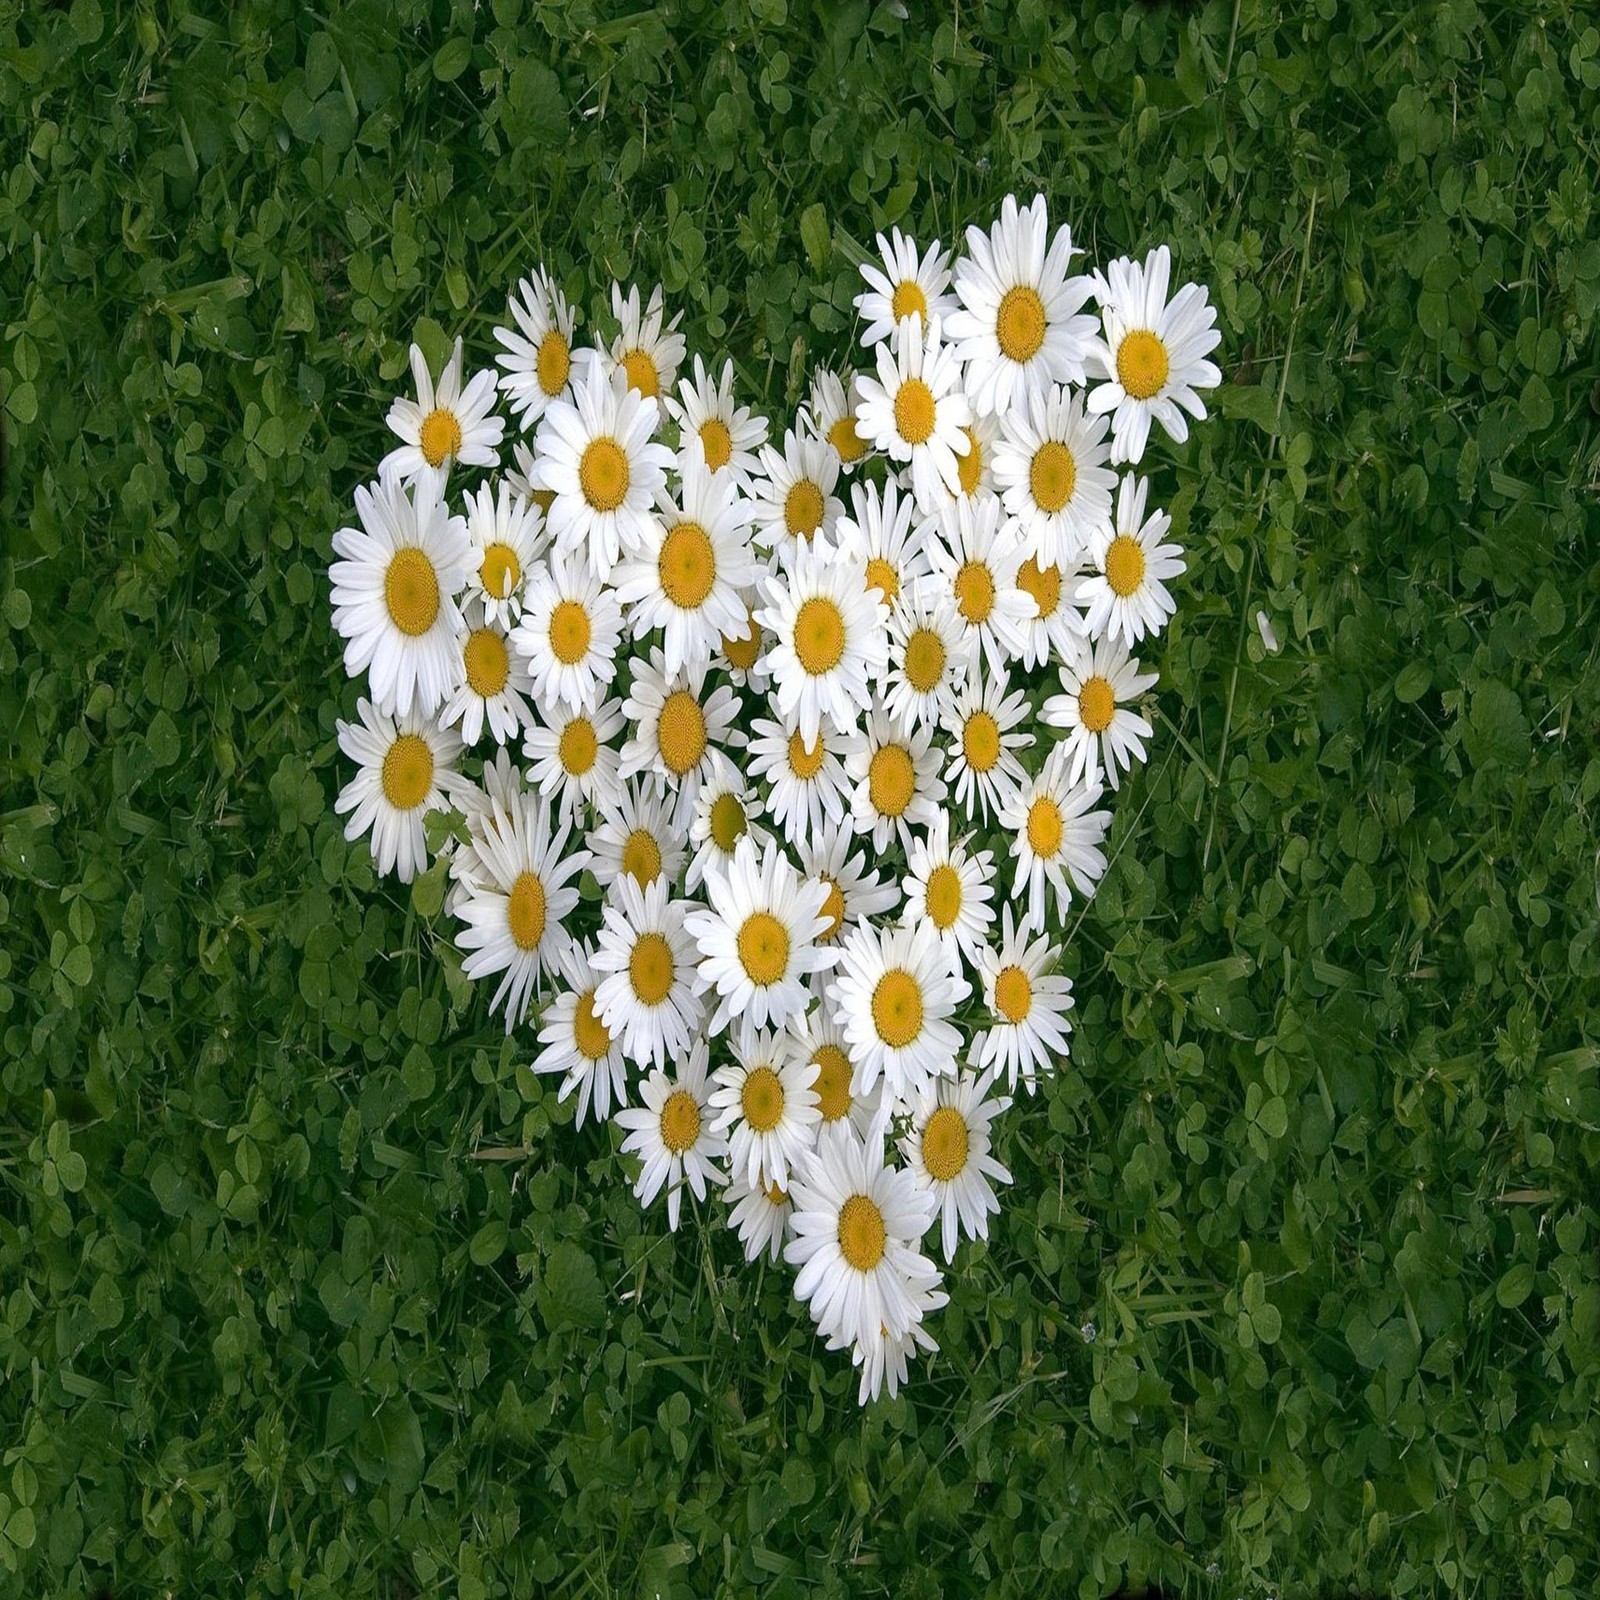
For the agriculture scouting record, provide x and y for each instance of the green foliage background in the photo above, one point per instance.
(306, 1286)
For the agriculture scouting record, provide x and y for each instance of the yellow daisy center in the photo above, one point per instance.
(440, 436)
(680, 1121)
(681, 733)
(1124, 565)
(525, 909)
(761, 1099)
(1043, 583)
(589, 1033)
(488, 663)
(543, 498)
(1142, 364)
(650, 968)
(925, 660)
(833, 1081)
(743, 650)
(728, 821)
(763, 948)
(407, 772)
(980, 741)
(944, 1144)
(969, 468)
(805, 761)
(819, 635)
(411, 591)
(603, 474)
(1097, 704)
(914, 411)
(643, 373)
(577, 747)
(1019, 324)
(1013, 994)
(777, 1195)
(499, 571)
(909, 300)
(943, 899)
(569, 632)
(641, 857)
(1052, 476)
(716, 439)
(862, 1234)
(897, 1008)
(832, 909)
(555, 362)
(975, 592)
(803, 507)
(687, 565)
(844, 438)
(1044, 827)
(891, 780)
(882, 577)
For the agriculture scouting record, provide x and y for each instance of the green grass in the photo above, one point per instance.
(308, 1288)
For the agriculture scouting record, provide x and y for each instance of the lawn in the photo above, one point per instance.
(308, 1286)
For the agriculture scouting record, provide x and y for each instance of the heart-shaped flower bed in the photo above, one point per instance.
(825, 724)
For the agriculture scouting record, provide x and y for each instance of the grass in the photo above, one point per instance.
(308, 1287)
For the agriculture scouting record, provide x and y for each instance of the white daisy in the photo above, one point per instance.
(985, 725)
(830, 639)
(895, 779)
(443, 425)
(1056, 837)
(1152, 355)
(394, 595)
(1126, 592)
(1017, 330)
(883, 1362)
(568, 633)
(725, 811)
(766, 1107)
(806, 779)
(975, 561)
(931, 653)
(947, 1152)
(571, 754)
(950, 888)
(649, 996)
(852, 895)
(405, 769)
(1056, 623)
(648, 353)
(794, 498)
(515, 914)
(831, 415)
(760, 1215)
(1028, 1002)
(635, 837)
(975, 469)
(1049, 469)
(910, 284)
(819, 1042)
(536, 363)
(578, 1044)
(729, 436)
(893, 995)
(879, 533)
(492, 685)
(500, 784)
(742, 653)
(677, 724)
(1104, 733)
(506, 533)
(758, 939)
(670, 1131)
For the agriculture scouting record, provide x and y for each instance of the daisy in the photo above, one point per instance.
(491, 686)
(1028, 1002)
(671, 1133)
(649, 354)
(794, 498)
(568, 633)
(878, 532)
(893, 996)
(819, 1042)
(831, 416)
(983, 722)
(765, 1106)
(635, 837)
(1049, 469)
(931, 653)
(760, 1215)
(725, 812)
(500, 784)
(572, 756)
(515, 914)
(806, 792)
(883, 1363)
(578, 1044)
(1017, 330)
(915, 411)
(677, 727)
(1104, 732)
(852, 895)
(947, 1153)
(742, 653)
(950, 889)
(394, 595)
(729, 436)
(443, 426)
(691, 569)
(505, 531)
(758, 939)
(857, 1226)
(649, 996)
(831, 642)
(536, 363)
(1056, 837)
(910, 284)
(597, 454)
(1152, 355)
(1126, 593)
(975, 561)
(975, 469)
(404, 770)
(895, 778)
(1056, 623)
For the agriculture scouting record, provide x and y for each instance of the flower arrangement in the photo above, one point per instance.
(830, 722)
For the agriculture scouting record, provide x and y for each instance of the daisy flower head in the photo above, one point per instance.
(805, 780)
(1056, 837)
(931, 653)
(742, 652)
(729, 436)
(1018, 329)
(536, 361)
(505, 531)
(950, 888)
(765, 1106)
(794, 496)
(915, 411)
(884, 1362)
(947, 1152)
(500, 784)
(830, 415)
(522, 478)
(649, 994)
(597, 454)
(568, 633)
(577, 1044)
(757, 936)
(571, 755)
(984, 724)
(444, 425)
(975, 561)
(1056, 622)
(819, 1042)
(636, 837)
(670, 1132)
(492, 684)
(395, 591)
(691, 568)
(1104, 732)
(879, 531)
(515, 914)
(830, 639)
(677, 726)
(1125, 593)
(405, 768)
(647, 352)
(895, 777)
(1028, 1002)
(975, 469)
(759, 1213)
(910, 283)
(1049, 468)
(893, 996)
(1152, 356)
(853, 894)
(725, 811)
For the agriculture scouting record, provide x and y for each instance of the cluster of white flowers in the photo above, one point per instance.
(787, 702)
